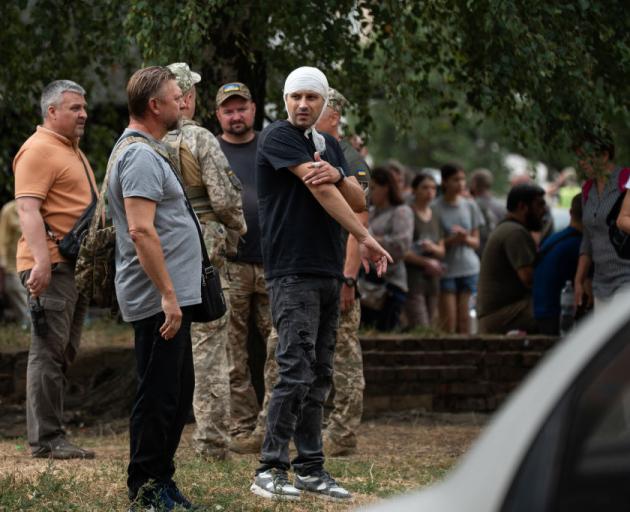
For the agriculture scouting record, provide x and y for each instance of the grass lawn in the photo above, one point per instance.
(396, 454)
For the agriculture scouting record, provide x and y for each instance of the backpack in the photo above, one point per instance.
(618, 238)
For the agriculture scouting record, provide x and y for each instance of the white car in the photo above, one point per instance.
(562, 440)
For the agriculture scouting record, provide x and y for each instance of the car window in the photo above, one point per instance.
(580, 460)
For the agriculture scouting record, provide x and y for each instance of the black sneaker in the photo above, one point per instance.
(61, 449)
(176, 495)
(156, 499)
(322, 484)
(274, 484)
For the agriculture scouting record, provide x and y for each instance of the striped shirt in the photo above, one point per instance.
(611, 272)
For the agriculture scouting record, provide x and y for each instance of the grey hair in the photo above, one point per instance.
(51, 95)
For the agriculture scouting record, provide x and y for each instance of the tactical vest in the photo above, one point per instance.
(189, 171)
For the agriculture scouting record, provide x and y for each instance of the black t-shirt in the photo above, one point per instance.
(242, 159)
(298, 235)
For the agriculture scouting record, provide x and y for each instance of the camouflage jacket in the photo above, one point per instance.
(222, 186)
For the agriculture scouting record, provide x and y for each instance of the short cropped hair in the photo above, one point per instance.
(481, 180)
(523, 193)
(448, 170)
(143, 85)
(52, 93)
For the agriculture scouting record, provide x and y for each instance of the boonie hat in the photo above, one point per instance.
(184, 76)
(336, 100)
(232, 89)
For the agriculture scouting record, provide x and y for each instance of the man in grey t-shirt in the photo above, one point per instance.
(158, 276)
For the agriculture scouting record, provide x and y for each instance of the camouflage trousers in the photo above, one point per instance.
(211, 400)
(248, 296)
(348, 380)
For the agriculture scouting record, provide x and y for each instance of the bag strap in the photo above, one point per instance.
(586, 188)
(166, 156)
(100, 204)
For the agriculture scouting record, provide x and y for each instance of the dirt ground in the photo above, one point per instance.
(396, 454)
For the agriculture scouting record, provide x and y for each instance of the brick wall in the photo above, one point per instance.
(447, 374)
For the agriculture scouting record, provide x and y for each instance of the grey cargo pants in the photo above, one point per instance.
(50, 356)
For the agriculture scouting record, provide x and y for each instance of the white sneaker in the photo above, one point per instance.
(274, 484)
(322, 484)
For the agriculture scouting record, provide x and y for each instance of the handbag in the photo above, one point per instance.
(373, 290)
(70, 244)
(619, 239)
(212, 305)
(95, 267)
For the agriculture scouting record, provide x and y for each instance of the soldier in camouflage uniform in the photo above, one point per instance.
(348, 381)
(215, 193)
(248, 294)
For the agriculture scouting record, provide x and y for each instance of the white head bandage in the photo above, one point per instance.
(308, 79)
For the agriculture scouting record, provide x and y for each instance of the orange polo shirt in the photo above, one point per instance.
(50, 167)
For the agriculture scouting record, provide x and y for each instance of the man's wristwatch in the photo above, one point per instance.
(342, 176)
(350, 282)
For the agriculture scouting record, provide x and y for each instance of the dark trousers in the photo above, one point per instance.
(166, 382)
(305, 312)
(50, 356)
(388, 318)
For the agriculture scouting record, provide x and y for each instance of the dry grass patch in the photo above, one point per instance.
(395, 455)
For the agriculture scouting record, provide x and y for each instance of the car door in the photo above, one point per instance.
(580, 460)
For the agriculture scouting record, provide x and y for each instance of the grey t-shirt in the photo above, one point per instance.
(461, 260)
(140, 172)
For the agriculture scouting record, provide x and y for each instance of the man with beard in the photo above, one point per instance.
(249, 300)
(504, 300)
(304, 199)
(158, 276)
(215, 194)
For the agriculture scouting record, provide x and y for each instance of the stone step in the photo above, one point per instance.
(487, 343)
(396, 358)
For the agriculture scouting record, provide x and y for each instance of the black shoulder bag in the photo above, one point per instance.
(212, 306)
(70, 244)
(619, 239)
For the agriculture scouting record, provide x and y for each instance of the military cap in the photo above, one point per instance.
(232, 89)
(336, 100)
(185, 77)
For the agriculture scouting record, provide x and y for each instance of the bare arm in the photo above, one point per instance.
(333, 202)
(526, 275)
(351, 266)
(623, 221)
(582, 280)
(321, 172)
(32, 224)
(140, 216)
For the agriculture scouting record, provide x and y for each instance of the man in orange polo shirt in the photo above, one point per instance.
(54, 184)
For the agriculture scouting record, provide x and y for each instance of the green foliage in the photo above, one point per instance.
(45, 40)
(542, 70)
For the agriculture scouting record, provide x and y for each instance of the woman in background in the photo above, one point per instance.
(460, 219)
(423, 260)
(391, 223)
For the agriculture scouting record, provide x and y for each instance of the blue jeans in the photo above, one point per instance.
(305, 312)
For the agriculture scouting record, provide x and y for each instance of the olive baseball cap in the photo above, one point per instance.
(232, 89)
(184, 76)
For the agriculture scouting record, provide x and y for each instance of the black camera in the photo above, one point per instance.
(38, 318)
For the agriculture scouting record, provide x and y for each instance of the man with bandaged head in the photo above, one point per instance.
(304, 201)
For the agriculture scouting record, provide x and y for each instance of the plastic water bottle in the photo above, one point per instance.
(567, 308)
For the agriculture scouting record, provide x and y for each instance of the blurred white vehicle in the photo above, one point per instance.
(561, 442)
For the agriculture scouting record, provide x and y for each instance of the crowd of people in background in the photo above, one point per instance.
(476, 263)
